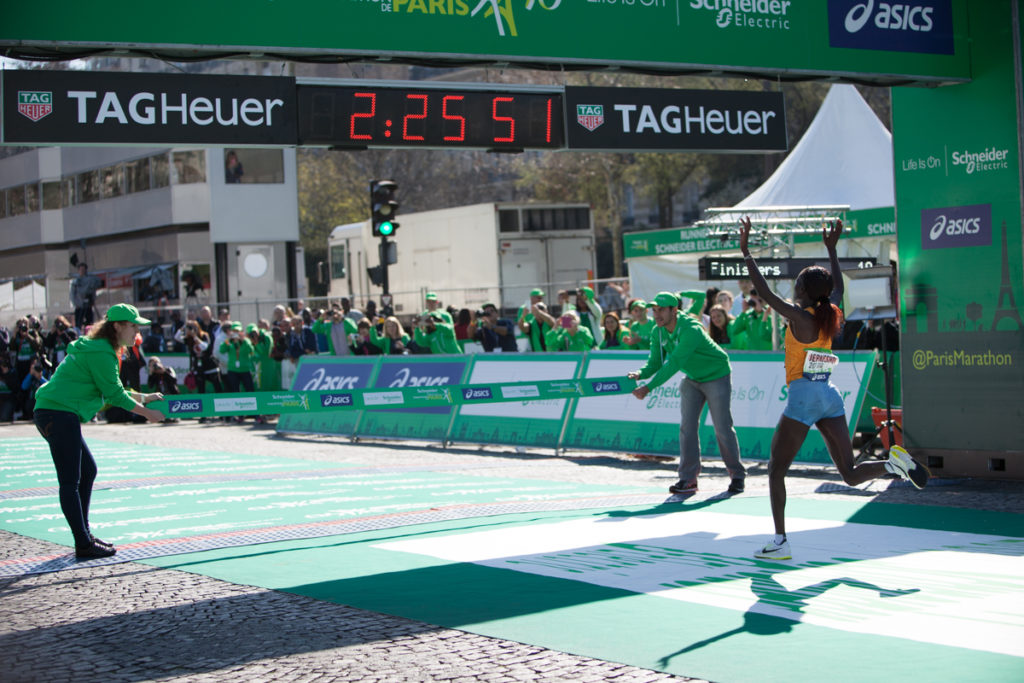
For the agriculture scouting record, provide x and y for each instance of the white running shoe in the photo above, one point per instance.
(903, 463)
(775, 551)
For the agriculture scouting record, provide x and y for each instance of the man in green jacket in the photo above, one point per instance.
(436, 335)
(681, 344)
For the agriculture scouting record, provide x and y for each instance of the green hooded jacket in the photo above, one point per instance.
(87, 379)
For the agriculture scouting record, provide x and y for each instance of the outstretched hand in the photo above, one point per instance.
(830, 235)
(744, 235)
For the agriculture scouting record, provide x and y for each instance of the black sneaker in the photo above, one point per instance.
(737, 486)
(93, 551)
(99, 541)
(683, 487)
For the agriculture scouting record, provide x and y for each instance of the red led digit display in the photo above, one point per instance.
(460, 117)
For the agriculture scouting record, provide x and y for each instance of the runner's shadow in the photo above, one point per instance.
(773, 597)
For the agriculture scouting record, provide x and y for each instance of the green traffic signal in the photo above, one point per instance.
(386, 228)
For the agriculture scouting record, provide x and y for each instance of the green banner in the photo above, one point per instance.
(416, 397)
(958, 186)
(809, 38)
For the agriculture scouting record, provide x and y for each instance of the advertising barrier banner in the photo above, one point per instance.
(424, 423)
(336, 376)
(532, 423)
(620, 422)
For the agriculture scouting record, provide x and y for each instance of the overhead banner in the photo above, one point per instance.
(675, 120)
(918, 40)
(68, 107)
(721, 268)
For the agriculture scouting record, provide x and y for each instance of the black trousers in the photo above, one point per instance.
(76, 468)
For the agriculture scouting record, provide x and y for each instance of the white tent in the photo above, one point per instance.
(844, 158)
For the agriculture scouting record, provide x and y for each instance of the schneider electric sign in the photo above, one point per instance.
(90, 107)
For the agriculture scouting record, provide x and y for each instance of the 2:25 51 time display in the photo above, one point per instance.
(398, 117)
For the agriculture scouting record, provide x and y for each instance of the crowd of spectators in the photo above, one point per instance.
(226, 355)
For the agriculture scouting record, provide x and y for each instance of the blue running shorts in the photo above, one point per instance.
(812, 401)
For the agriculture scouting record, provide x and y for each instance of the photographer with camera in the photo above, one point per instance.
(528, 323)
(567, 334)
(434, 335)
(57, 340)
(268, 371)
(589, 311)
(338, 328)
(493, 332)
(203, 365)
(161, 378)
(26, 346)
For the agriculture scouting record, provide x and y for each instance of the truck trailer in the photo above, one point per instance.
(468, 256)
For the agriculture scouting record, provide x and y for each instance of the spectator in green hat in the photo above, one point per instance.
(590, 312)
(639, 325)
(528, 322)
(82, 384)
(434, 305)
(681, 344)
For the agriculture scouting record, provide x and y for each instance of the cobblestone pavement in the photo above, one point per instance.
(131, 622)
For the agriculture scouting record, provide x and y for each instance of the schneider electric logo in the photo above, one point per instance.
(957, 226)
(910, 26)
(991, 159)
(751, 14)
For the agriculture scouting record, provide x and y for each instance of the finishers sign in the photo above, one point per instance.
(646, 119)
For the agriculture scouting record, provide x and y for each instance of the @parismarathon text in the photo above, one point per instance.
(959, 358)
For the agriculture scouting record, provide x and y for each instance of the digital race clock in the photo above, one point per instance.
(376, 115)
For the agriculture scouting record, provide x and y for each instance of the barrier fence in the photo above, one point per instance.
(560, 401)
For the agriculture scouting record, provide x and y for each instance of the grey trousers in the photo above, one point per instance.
(717, 393)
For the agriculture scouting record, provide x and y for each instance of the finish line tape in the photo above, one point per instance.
(281, 402)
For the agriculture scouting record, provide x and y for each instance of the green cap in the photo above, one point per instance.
(126, 313)
(236, 326)
(639, 302)
(588, 292)
(431, 296)
(537, 292)
(666, 300)
(250, 328)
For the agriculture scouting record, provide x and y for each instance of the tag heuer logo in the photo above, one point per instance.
(34, 104)
(590, 116)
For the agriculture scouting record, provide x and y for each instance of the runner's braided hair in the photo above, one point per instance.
(817, 283)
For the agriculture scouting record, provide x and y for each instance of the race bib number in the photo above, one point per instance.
(819, 364)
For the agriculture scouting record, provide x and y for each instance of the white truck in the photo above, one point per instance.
(469, 255)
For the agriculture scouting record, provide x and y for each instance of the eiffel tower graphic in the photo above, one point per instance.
(1009, 309)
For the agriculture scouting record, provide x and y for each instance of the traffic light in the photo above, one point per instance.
(383, 207)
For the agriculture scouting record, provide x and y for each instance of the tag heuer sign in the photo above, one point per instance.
(34, 104)
(590, 116)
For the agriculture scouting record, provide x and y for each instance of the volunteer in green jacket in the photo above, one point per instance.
(681, 344)
(86, 380)
(528, 323)
(240, 353)
(640, 327)
(436, 335)
(339, 329)
(268, 372)
(570, 335)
